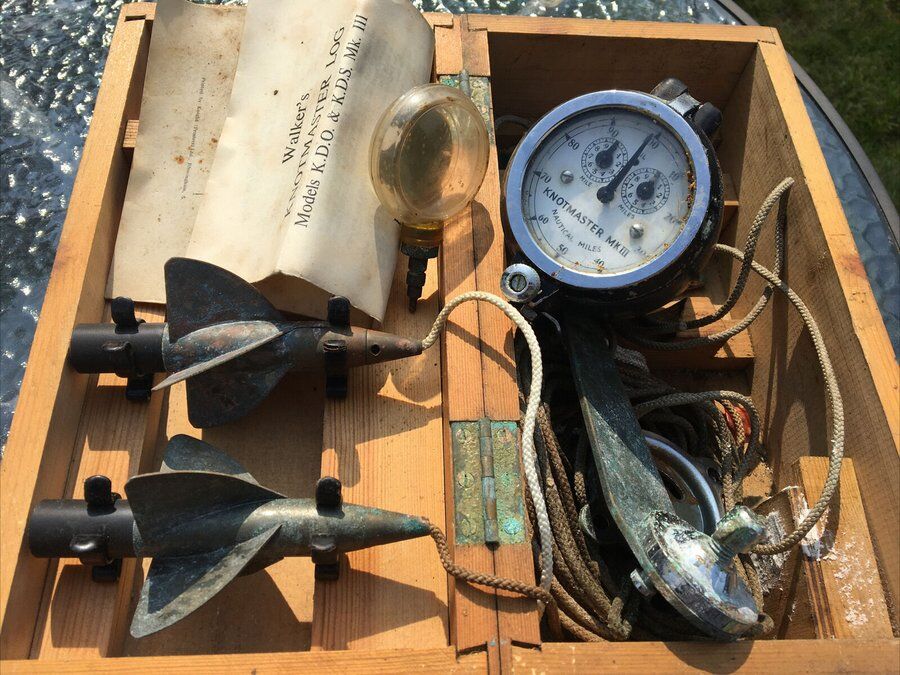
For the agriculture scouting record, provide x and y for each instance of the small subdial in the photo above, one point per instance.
(645, 191)
(602, 158)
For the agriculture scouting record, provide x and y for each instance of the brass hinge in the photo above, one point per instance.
(479, 90)
(487, 483)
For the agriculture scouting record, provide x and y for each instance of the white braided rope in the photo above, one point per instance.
(529, 456)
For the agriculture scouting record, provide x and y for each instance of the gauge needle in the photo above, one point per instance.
(606, 192)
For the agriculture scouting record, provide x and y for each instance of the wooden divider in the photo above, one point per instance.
(518, 617)
(473, 613)
(478, 358)
(385, 443)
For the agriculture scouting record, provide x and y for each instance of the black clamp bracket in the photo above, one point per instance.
(328, 493)
(138, 384)
(339, 312)
(92, 549)
(324, 553)
(705, 116)
(336, 368)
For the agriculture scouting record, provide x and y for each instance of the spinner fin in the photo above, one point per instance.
(163, 501)
(199, 294)
(232, 390)
(217, 361)
(176, 586)
(186, 453)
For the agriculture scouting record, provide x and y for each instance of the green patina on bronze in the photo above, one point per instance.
(693, 571)
(508, 481)
(479, 90)
(477, 493)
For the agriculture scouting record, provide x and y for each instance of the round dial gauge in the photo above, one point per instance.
(608, 189)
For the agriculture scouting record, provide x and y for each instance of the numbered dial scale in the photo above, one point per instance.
(614, 197)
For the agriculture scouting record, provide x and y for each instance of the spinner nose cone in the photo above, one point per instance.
(367, 526)
(381, 347)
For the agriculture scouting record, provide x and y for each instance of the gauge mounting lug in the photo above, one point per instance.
(705, 116)
(520, 283)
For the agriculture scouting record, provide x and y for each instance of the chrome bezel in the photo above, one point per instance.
(515, 177)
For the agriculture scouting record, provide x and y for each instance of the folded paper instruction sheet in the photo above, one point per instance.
(288, 202)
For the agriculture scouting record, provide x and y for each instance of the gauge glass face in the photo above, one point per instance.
(608, 191)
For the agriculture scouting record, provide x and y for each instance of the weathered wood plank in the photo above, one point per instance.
(80, 617)
(44, 430)
(760, 656)
(129, 140)
(498, 366)
(541, 68)
(518, 618)
(810, 656)
(644, 30)
(768, 137)
(461, 342)
(869, 354)
(846, 599)
(473, 611)
(448, 48)
(385, 443)
(473, 619)
(476, 57)
(386, 662)
(439, 19)
(137, 11)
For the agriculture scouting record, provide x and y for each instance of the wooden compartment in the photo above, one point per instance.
(395, 609)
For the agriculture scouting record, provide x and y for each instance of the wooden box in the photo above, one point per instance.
(395, 609)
